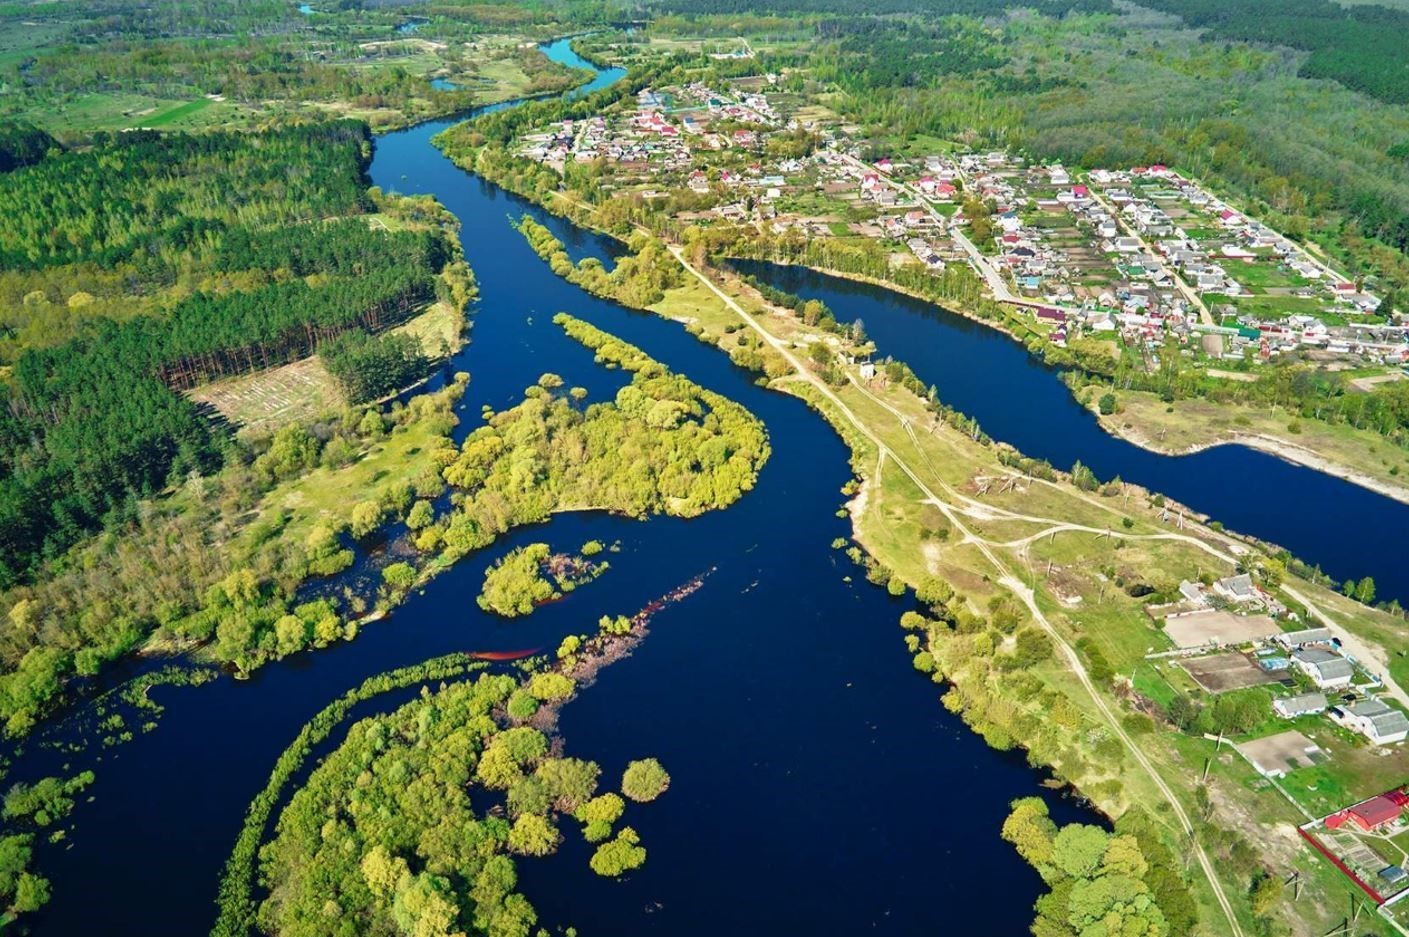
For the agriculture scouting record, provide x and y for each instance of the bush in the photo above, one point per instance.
(620, 855)
(644, 780)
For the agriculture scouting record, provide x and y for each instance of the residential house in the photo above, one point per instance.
(1379, 722)
(1304, 637)
(1373, 814)
(1327, 669)
(1237, 588)
(1303, 704)
(1192, 591)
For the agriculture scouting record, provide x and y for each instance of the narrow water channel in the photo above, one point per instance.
(1348, 530)
(818, 785)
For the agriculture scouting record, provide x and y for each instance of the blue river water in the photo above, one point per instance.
(818, 784)
(1348, 530)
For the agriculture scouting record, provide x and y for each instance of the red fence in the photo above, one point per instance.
(1321, 848)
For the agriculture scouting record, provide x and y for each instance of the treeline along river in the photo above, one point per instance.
(1347, 530)
(818, 785)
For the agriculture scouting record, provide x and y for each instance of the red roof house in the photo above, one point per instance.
(1371, 814)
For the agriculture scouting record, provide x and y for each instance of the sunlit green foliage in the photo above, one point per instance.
(1126, 882)
(45, 801)
(664, 445)
(619, 855)
(644, 780)
(515, 584)
(384, 837)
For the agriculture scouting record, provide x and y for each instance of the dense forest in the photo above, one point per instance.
(1362, 47)
(371, 366)
(23, 144)
(87, 424)
(149, 192)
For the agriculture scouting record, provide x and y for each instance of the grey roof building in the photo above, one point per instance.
(1326, 668)
(1303, 704)
(1236, 588)
(1377, 721)
(1304, 636)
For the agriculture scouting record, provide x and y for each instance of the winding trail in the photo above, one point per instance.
(1006, 576)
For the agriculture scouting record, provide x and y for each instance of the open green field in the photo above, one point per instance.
(1275, 307)
(1264, 274)
(87, 113)
(179, 113)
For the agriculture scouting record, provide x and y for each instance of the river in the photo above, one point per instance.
(818, 784)
(1348, 530)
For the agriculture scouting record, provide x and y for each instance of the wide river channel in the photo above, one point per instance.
(819, 787)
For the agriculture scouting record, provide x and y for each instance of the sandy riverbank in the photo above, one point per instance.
(1272, 445)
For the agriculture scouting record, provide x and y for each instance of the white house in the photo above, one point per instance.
(1303, 704)
(1192, 591)
(1377, 721)
(1327, 669)
(1236, 588)
(1303, 637)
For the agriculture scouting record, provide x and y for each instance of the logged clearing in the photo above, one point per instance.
(290, 393)
(304, 390)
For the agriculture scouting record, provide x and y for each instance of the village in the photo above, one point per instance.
(1324, 725)
(1142, 257)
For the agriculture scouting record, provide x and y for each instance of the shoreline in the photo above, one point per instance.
(957, 309)
(1271, 445)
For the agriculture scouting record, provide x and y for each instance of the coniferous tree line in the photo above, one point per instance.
(90, 423)
(87, 424)
(23, 144)
(370, 366)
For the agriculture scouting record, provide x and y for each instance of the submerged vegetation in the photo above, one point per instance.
(219, 562)
(414, 823)
(237, 908)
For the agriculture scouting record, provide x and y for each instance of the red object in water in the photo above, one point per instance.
(504, 655)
